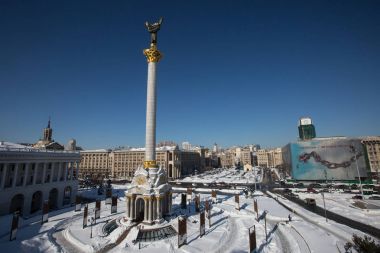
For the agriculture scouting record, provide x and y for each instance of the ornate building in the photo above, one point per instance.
(150, 196)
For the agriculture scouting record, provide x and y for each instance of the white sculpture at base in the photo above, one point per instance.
(149, 198)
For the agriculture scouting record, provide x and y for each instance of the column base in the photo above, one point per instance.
(147, 222)
(159, 221)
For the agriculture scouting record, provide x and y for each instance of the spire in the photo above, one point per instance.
(48, 132)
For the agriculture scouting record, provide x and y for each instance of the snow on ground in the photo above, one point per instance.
(342, 203)
(225, 176)
(34, 237)
(64, 231)
(307, 232)
(341, 233)
(228, 233)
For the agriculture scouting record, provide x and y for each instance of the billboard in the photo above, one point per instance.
(327, 158)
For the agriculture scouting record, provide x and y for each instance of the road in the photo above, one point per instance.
(309, 237)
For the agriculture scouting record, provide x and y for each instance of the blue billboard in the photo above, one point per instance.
(328, 158)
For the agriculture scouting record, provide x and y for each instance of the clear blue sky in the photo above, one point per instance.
(233, 72)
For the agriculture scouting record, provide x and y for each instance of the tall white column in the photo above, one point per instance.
(15, 175)
(4, 174)
(26, 176)
(151, 103)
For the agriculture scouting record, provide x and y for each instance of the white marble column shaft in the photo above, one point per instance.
(145, 209)
(151, 103)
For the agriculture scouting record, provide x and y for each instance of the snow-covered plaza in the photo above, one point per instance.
(228, 231)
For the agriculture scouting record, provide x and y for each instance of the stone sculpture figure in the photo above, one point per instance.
(153, 29)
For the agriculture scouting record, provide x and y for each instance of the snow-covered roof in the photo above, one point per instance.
(164, 148)
(11, 145)
(95, 150)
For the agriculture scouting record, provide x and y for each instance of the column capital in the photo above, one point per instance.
(152, 54)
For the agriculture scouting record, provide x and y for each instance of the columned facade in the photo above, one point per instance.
(28, 177)
(151, 207)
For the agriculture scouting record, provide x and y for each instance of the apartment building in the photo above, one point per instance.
(121, 164)
(269, 158)
(372, 149)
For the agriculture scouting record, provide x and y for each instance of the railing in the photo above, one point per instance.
(38, 150)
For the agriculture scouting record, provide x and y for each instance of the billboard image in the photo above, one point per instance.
(327, 158)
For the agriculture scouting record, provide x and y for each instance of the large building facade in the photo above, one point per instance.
(95, 164)
(235, 156)
(29, 176)
(372, 149)
(122, 164)
(269, 158)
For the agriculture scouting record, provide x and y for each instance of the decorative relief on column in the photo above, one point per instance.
(152, 54)
(150, 164)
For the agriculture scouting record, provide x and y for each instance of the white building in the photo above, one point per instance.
(186, 145)
(30, 176)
